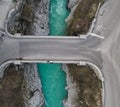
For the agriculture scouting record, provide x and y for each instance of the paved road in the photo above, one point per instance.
(45, 49)
(5, 6)
(109, 26)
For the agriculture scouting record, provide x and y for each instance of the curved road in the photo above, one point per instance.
(108, 25)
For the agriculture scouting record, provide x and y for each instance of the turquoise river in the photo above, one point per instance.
(52, 76)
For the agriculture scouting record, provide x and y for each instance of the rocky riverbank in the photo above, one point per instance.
(39, 24)
(33, 95)
(20, 86)
(29, 17)
(12, 88)
(71, 88)
(84, 87)
(81, 16)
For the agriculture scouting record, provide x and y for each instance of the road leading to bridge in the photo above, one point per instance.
(5, 6)
(108, 25)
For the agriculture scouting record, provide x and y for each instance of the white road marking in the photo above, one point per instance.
(95, 35)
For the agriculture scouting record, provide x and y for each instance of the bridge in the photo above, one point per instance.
(105, 53)
(47, 49)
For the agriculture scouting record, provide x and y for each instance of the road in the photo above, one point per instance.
(48, 49)
(104, 53)
(5, 6)
(108, 25)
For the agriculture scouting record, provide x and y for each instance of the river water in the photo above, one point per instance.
(52, 76)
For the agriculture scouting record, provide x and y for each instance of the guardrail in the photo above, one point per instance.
(99, 75)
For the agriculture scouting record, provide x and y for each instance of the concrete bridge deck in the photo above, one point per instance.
(47, 49)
